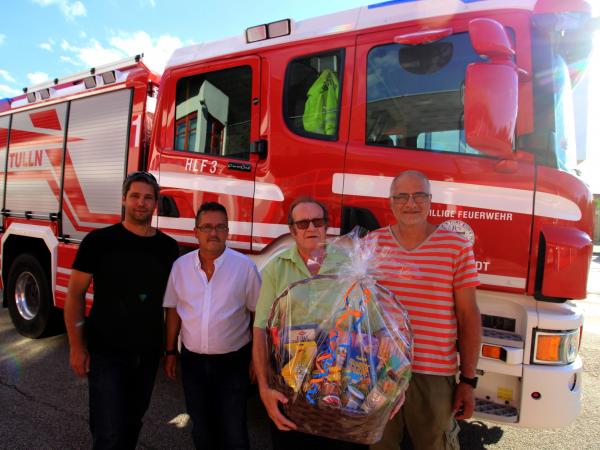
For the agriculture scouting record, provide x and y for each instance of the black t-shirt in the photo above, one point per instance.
(130, 274)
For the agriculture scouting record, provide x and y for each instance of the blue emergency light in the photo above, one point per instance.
(397, 2)
(389, 3)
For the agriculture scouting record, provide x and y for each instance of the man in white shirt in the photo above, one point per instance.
(211, 296)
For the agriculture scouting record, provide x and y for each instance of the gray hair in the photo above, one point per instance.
(414, 173)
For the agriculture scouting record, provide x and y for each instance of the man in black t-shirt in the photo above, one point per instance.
(120, 350)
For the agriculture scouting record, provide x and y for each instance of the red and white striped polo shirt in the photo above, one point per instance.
(424, 279)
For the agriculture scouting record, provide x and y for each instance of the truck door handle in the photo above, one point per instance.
(259, 148)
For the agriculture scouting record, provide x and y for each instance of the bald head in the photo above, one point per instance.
(410, 174)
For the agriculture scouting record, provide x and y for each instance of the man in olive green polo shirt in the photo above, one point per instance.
(307, 220)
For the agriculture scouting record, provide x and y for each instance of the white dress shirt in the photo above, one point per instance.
(215, 315)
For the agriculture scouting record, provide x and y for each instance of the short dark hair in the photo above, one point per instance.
(210, 206)
(305, 199)
(144, 177)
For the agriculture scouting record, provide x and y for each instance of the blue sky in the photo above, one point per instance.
(45, 39)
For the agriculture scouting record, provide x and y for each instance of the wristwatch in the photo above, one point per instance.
(171, 352)
(470, 381)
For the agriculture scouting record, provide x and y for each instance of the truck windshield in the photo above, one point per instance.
(564, 116)
(415, 94)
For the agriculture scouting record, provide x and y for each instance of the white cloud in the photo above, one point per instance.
(37, 77)
(48, 45)
(69, 60)
(156, 50)
(75, 9)
(7, 91)
(2, 38)
(7, 76)
(132, 43)
(70, 10)
(95, 54)
(64, 44)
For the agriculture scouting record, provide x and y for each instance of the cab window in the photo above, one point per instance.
(212, 113)
(312, 95)
(415, 95)
(564, 116)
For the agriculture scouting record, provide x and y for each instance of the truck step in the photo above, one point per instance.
(496, 412)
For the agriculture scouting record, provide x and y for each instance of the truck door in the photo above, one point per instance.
(310, 87)
(408, 113)
(206, 156)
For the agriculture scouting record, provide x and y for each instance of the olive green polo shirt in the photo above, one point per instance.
(313, 302)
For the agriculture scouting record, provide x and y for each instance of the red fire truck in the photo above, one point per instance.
(477, 94)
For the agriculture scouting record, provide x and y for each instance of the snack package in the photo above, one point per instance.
(341, 347)
(301, 355)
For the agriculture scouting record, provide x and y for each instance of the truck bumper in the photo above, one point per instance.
(559, 389)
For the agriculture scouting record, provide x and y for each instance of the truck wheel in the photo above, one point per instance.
(29, 297)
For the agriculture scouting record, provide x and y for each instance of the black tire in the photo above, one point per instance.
(30, 298)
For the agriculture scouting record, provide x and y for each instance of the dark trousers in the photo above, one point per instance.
(120, 387)
(295, 440)
(215, 388)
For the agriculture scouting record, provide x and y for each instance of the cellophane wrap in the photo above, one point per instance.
(341, 347)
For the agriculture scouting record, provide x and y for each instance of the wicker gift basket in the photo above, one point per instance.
(341, 348)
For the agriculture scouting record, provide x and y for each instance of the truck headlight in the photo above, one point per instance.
(555, 347)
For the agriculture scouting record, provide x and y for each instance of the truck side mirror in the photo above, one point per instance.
(491, 91)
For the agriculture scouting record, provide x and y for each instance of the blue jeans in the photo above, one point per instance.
(120, 387)
(215, 388)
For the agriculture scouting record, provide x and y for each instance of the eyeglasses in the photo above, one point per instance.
(303, 224)
(418, 197)
(208, 228)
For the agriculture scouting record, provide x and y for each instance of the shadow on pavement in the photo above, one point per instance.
(476, 435)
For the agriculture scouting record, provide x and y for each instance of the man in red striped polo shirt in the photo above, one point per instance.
(432, 271)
